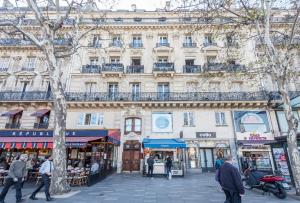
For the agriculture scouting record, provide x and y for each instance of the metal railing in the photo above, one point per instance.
(215, 67)
(91, 69)
(163, 67)
(135, 69)
(40, 125)
(3, 69)
(189, 45)
(207, 44)
(12, 125)
(136, 45)
(191, 68)
(113, 67)
(115, 44)
(26, 42)
(163, 44)
(171, 96)
(25, 96)
(27, 69)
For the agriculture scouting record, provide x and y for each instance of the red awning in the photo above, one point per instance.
(41, 142)
(40, 113)
(12, 112)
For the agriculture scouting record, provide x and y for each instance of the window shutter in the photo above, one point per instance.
(81, 119)
(217, 116)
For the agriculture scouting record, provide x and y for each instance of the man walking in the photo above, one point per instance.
(45, 171)
(231, 182)
(150, 162)
(16, 175)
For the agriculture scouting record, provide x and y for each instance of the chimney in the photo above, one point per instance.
(168, 5)
(133, 7)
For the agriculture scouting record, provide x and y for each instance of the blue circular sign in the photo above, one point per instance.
(162, 122)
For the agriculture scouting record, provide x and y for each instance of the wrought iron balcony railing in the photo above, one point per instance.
(136, 45)
(115, 44)
(191, 68)
(135, 69)
(113, 67)
(27, 69)
(215, 67)
(91, 69)
(171, 96)
(95, 44)
(163, 67)
(3, 69)
(163, 44)
(25, 96)
(207, 44)
(40, 125)
(12, 125)
(189, 45)
(26, 42)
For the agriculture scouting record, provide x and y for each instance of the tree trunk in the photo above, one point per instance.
(292, 145)
(59, 182)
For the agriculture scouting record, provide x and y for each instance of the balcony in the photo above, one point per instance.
(12, 125)
(191, 68)
(170, 96)
(189, 45)
(26, 69)
(3, 70)
(91, 69)
(95, 45)
(208, 44)
(135, 69)
(163, 44)
(25, 96)
(163, 67)
(41, 125)
(115, 44)
(223, 67)
(112, 69)
(136, 45)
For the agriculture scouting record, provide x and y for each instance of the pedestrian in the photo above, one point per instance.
(169, 167)
(45, 170)
(16, 175)
(3, 163)
(231, 182)
(219, 162)
(150, 162)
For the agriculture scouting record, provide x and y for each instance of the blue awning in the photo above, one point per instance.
(164, 143)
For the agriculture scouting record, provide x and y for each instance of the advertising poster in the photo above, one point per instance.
(281, 163)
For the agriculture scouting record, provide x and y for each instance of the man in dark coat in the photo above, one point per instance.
(231, 182)
(150, 162)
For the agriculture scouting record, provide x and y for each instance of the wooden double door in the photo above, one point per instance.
(131, 156)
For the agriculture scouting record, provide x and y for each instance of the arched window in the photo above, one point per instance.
(133, 125)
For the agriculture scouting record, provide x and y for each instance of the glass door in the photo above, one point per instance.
(163, 90)
(207, 159)
(113, 90)
(136, 90)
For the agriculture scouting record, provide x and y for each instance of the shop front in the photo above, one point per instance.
(253, 133)
(160, 149)
(90, 153)
(203, 150)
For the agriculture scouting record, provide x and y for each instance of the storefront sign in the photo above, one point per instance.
(206, 134)
(256, 136)
(49, 133)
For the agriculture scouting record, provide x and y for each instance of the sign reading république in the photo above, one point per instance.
(49, 133)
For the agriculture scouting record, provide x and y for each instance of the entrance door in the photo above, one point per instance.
(131, 156)
(207, 159)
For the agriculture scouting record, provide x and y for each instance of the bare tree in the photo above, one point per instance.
(42, 22)
(277, 45)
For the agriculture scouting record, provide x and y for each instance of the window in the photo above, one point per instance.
(4, 63)
(188, 39)
(115, 60)
(188, 119)
(30, 62)
(220, 118)
(251, 121)
(136, 61)
(211, 59)
(163, 39)
(283, 124)
(192, 87)
(113, 89)
(97, 41)
(236, 86)
(163, 90)
(90, 87)
(163, 59)
(133, 125)
(189, 62)
(2, 85)
(93, 61)
(229, 39)
(208, 39)
(91, 119)
(136, 89)
(116, 40)
(137, 41)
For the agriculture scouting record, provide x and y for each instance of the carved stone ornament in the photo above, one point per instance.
(17, 58)
(133, 112)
